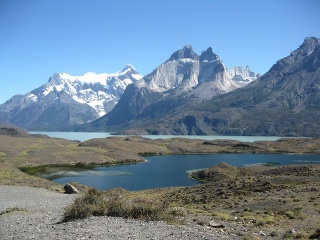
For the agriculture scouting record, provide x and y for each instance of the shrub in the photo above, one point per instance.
(175, 215)
(112, 203)
(145, 209)
(90, 204)
(294, 214)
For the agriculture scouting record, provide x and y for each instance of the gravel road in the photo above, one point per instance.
(42, 211)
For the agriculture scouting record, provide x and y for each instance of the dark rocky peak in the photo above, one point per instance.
(312, 61)
(186, 52)
(208, 56)
(293, 62)
(307, 46)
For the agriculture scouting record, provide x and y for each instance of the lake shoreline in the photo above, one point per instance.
(84, 136)
(35, 151)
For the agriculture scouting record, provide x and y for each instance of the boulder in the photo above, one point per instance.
(69, 189)
(215, 224)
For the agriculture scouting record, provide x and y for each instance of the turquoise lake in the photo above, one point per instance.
(170, 170)
(83, 136)
(166, 171)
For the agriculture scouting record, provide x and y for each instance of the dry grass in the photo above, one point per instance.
(15, 210)
(117, 203)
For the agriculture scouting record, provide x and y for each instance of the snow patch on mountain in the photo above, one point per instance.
(99, 91)
(185, 71)
(241, 75)
(33, 97)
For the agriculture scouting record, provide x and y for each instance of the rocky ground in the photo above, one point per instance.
(256, 202)
(34, 213)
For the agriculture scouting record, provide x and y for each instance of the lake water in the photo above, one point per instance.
(170, 170)
(164, 171)
(83, 136)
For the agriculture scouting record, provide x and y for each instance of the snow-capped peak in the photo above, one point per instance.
(89, 77)
(100, 91)
(128, 67)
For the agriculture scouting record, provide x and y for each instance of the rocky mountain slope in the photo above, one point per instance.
(185, 70)
(68, 100)
(184, 80)
(285, 101)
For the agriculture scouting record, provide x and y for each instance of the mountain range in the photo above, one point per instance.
(184, 80)
(204, 101)
(66, 101)
(189, 94)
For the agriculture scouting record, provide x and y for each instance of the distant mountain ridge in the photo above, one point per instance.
(183, 80)
(68, 100)
(283, 102)
(100, 91)
(189, 94)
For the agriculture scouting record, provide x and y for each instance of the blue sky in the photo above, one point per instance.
(42, 37)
